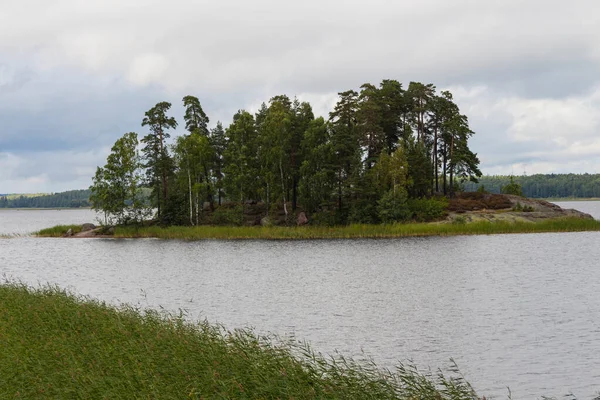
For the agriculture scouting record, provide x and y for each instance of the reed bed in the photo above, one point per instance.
(58, 230)
(358, 231)
(57, 345)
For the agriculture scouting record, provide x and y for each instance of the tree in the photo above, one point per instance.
(345, 144)
(512, 188)
(158, 163)
(116, 188)
(318, 175)
(419, 96)
(218, 141)
(369, 123)
(196, 123)
(241, 172)
(195, 118)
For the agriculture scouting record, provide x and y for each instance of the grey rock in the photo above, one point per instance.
(265, 221)
(69, 233)
(87, 227)
(302, 219)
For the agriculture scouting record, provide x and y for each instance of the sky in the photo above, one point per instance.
(75, 75)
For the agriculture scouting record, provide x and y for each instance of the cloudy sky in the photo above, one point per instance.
(75, 75)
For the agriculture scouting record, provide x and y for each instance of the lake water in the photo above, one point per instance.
(512, 310)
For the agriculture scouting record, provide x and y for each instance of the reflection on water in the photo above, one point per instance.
(516, 310)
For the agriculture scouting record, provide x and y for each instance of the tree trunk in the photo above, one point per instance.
(294, 194)
(283, 188)
(435, 160)
(445, 161)
(191, 198)
(452, 167)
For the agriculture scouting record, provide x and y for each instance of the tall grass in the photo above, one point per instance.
(359, 231)
(56, 345)
(59, 230)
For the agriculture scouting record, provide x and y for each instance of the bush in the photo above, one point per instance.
(425, 210)
(322, 218)
(363, 212)
(228, 215)
(393, 206)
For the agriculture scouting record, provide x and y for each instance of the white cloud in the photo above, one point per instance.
(78, 74)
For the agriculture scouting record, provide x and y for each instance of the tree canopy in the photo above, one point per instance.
(379, 147)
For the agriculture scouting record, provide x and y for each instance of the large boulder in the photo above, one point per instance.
(266, 221)
(302, 219)
(87, 227)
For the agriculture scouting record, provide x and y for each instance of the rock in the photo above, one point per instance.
(206, 206)
(69, 233)
(265, 221)
(110, 231)
(87, 227)
(302, 220)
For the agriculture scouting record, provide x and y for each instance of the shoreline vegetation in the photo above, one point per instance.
(58, 345)
(470, 213)
(483, 227)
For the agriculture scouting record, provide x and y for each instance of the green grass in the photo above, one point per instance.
(58, 231)
(359, 231)
(59, 346)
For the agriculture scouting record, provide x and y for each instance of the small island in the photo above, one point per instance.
(389, 161)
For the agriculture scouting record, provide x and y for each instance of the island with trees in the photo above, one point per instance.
(386, 155)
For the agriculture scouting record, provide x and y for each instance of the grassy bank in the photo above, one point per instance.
(59, 230)
(346, 232)
(55, 345)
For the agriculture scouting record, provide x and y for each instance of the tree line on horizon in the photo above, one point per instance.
(379, 148)
(544, 186)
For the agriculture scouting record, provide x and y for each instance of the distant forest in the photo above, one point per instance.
(543, 186)
(536, 186)
(69, 199)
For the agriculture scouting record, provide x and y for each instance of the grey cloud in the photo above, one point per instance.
(76, 75)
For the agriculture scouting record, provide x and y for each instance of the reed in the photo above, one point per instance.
(57, 345)
(358, 231)
(58, 230)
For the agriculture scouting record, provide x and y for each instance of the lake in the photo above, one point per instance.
(512, 310)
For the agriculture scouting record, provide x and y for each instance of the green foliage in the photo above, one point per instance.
(393, 206)
(512, 188)
(522, 208)
(59, 230)
(380, 139)
(116, 189)
(324, 231)
(364, 212)
(158, 163)
(459, 220)
(425, 210)
(227, 215)
(57, 346)
(546, 186)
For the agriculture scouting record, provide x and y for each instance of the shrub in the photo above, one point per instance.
(424, 210)
(393, 206)
(363, 212)
(226, 215)
(322, 218)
